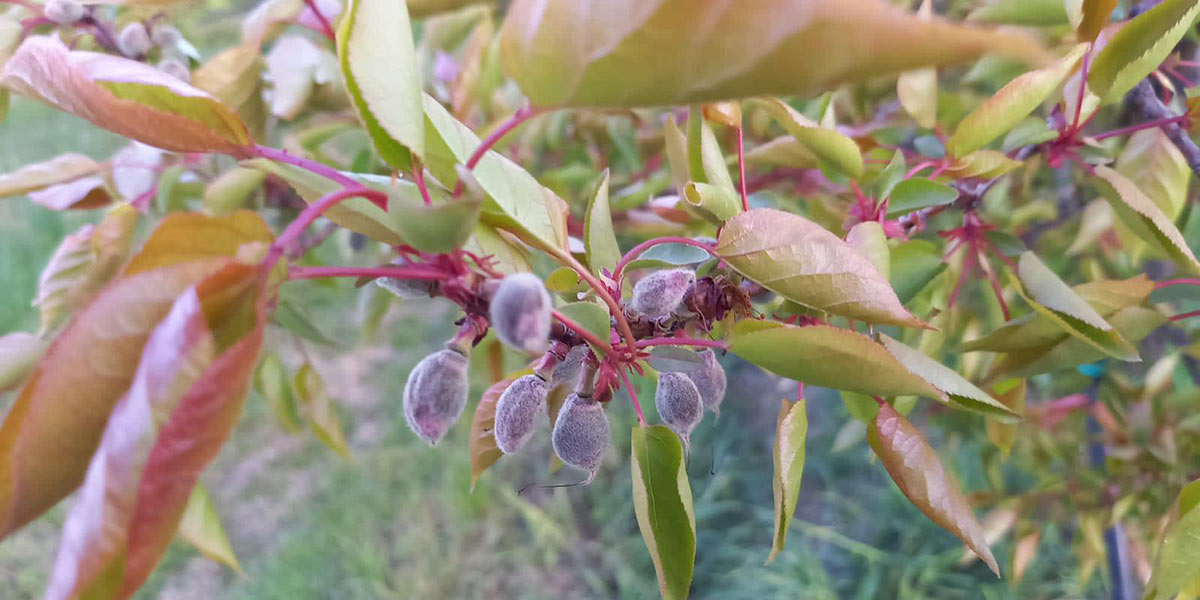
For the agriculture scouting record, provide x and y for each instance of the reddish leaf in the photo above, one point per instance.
(484, 452)
(185, 237)
(51, 431)
(187, 395)
(915, 468)
(125, 97)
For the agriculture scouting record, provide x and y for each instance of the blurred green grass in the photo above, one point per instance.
(399, 520)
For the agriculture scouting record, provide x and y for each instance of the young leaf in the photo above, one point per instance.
(807, 264)
(713, 203)
(84, 263)
(918, 89)
(201, 527)
(826, 356)
(1140, 47)
(791, 429)
(1177, 563)
(917, 193)
(1144, 217)
(662, 499)
(58, 170)
(19, 353)
(234, 77)
(955, 391)
(126, 97)
(81, 194)
(515, 200)
(828, 145)
(375, 49)
(915, 468)
(182, 405)
(1011, 104)
(319, 409)
(1095, 15)
(984, 164)
(592, 316)
(650, 53)
(272, 381)
(185, 237)
(482, 446)
(599, 241)
(1049, 296)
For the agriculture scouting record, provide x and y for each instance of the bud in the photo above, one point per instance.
(516, 411)
(436, 394)
(709, 378)
(679, 404)
(567, 371)
(658, 294)
(134, 40)
(520, 312)
(581, 433)
(175, 68)
(63, 12)
(166, 36)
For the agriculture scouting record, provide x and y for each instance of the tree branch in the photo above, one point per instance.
(1147, 101)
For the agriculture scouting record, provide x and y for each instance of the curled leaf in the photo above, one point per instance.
(662, 500)
(791, 429)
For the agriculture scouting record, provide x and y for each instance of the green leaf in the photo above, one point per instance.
(713, 203)
(1144, 217)
(998, 114)
(807, 264)
(1010, 393)
(1177, 563)
(662, 500)
(653, 53)
(1036, 330)
(507, 257)
(201, 527)
(272, 381)
(437, 228)
(379, 63)
(515, 200)
(706, 162)
(984, 164)
(913, 265)
(917, 193)
(232, 190)
(891, 175)
(955, 391)
(1049, 296)
(592, 316)
(673, 359)
(1132, 322)
(668, 255)
(1156, 167)
(1030, 13)
(830, 146)
(791, 429)
(356, 214)
(599, 240)
(19, 353)
(915, 468)
(1140, 47)
(319, 409)
(293, 318)
(826, 356)
(870, 241)
(126, 97)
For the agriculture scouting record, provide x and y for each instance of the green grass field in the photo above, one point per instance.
(399, 520)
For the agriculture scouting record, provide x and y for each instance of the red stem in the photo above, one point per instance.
(1083, 74)
(742, 169)
(419, 178)
(681, 341)
(991, 277)
(523, 114)
(326, 171)
(637, 406)
(1170, 282)
(1186, 315)
(581, 331)
(291, 235)
(646, 245)
(328, 29)
(396, 272)
(1140, 126)
(920, 167)
(799, 391)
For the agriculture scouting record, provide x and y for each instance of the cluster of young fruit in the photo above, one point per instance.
(520, 313)
(137, 40)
